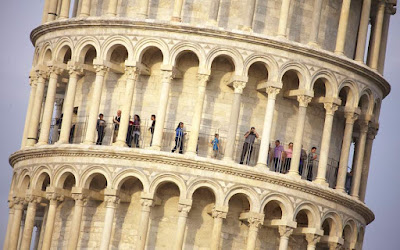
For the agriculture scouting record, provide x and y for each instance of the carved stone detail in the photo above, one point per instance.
(313, 239)
(166, 75)
(111, 201)
(101, 69)
(202, 79)
(285, 231)
(131, 73)
(304, 100)
(184, 209)
(218, 214)
(272, 92)
(351, 117)
(239, 86)
(255, 223)
(330, 108)
(147, 204)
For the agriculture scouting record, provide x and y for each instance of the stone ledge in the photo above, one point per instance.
(194, 162)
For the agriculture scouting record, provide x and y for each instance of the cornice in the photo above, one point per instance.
(204, 164)
(251, 38)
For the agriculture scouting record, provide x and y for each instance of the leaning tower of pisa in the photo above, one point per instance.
(304, 73)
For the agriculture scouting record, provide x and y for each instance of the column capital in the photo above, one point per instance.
(184, 209)
(312, 239)
(74, 70)
(30, 198)
(167, 75)
(350, 116)
(285, 231)
(202, 79)
(147, 204)
(100, 69)
(255, 222)
(11, 203)
(19, 203)
(304, 100)
(372, 132)
(219, 214)
(54, 196)
(111, 200)
(54, 71)
(132, 72)
(272, 92)
(330, 108)
(239, 86)
(334, 246)
(80, 198)
(364, 125)
(41, 74)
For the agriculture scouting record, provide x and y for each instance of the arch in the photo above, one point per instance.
(233, 54)
(163, 178)
(46, 54)
(12, 185)
(89, 173)
(331, 84)
(24, 182)
(206, 183)
(38, 177)
(119, 179)
(62, 173)
(181, 47)
(268, 61)
(352, 238)
(301, 70)
(283, 202)
(83, 45)
(59, 50)
(353, 94)
(314, 219)
(112, 42)
(377, 110)
(250, 194)
(367, 92)
(36, 57)
(143, 45)
(336, 219)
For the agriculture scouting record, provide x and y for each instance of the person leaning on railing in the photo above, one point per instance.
(179, 134)
(287, 158)
(215, 145)
(136, 130)
(100, 127)
(250, 137)
(277, 156)
(152, 127)
(312, 156)
(116, 122)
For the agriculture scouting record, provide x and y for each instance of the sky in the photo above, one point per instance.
(19, 17)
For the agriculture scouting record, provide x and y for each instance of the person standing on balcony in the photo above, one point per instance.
(215, 144)
(100, 127)
(130, 133)
(312, 156)
(287, 155)
(116, 122)
(179, 136)
(152, 127)
(303, 160)
(250, 137)
(136, 130)
(278, 151)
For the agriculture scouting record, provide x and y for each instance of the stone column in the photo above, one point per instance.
(218, 216)
(298, 138)
(198, 111)
(9, 224)
(19, 204)
(312, 240)
(49, 106)
(95, 103)
(283, 19)
(363, 31)
(162, 109)
(85, 8)
(367, 159)
(36, 110)
(233, 122)
(284, 232)
(65, 6)
(52, 11)
(334, 246)
(147, 204)
(33, 202)
(254, 224)
(21, 231)
(382, 49)
(80, 201)
(181, 228)
(355, 185)
(249, 16)
(38, 226)
(266, 134)
(45, 11)
(342, 29)
(75, 9)
(111, 203)
(176, 16)
(377, 37)
(53, 198)
(74, 72)
(214, 12)
(29, 111)
(315, 23)
(112, 8)
(132, 73)
(330, 109)
(351, 117)
(144, 9)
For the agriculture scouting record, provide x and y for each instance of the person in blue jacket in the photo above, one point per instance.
(179, 136)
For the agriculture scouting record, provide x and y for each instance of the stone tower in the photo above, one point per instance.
(297, 71)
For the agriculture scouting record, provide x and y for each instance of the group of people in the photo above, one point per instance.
(133, 129)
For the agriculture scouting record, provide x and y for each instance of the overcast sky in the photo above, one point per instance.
(19, 17)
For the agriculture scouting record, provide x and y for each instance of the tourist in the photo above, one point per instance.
(287, 155)
(116, 122)
(152, 127)
(129, 135)
(136, 130)
(101, 125)
(179, 136)
(278, 151)
(215, 144)
(303, 160)
(312, 156)
(250, 137)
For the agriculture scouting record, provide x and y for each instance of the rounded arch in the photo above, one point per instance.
(352, 94)
(91, 172)
(62, 173)
(182, 47)
(62, 47)
(143, 45)
(336, 220)
(268, 61)
(314, 219)
(369, 109)
(46, 54)
(215, 188)
(164, 178)
(119, 179)
(329, 80)
(301, 71)
(113, 42)
(377, 110)
(12, 185)
(24, 182)
(39, 177)
(36, 57)
(283, 202)
(349, 232)
(233, 54)
(250, 194)
(82, 47)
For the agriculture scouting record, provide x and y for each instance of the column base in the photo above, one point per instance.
(322, 182)
(189, 153)
(155, 148)
(110, 15)
(295, 175)
(88, 143)
(341, 190)
(120, 144)
(246, 28)
(339, 53)
(41, 143)
(314, 44)
(176, 19)
(60, 142)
